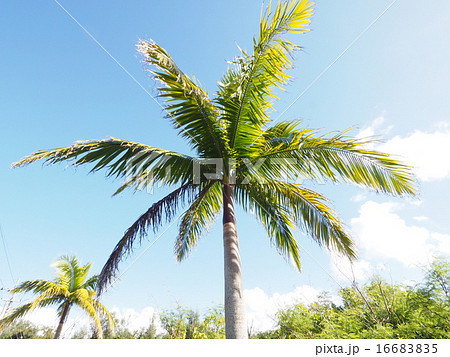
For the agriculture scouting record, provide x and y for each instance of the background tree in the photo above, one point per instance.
(120, 331)
(184, 323)
(150, 332)
(375, 310)
(26, 330)
(258, 163)
(71, 287)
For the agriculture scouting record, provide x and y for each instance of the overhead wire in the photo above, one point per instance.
(6, 254)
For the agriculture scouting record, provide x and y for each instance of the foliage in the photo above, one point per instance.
(71, 287)
(376, 310)
(183, 323)
(149, 332)
(26, 330)
(121, 330)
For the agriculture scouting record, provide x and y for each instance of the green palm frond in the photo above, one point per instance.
(245, 91)
(81, 275)
(188, 106)
(305, 208)
(339, 157)
(71, 273)
(36, 286)
(59, 295)
(52, 300)
(67, 269)
(83, 295)
(102, 310)
(24, 309)
(90, 283)
(85, 302)
(16, 314)
(160, 212)
(198, 217)
(141, 164)
(275, 217)
(314, 216)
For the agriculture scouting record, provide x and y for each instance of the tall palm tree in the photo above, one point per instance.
(70, 287)
(256, 163)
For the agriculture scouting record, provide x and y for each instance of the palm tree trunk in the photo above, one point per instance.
(62, 320)
(235, 325)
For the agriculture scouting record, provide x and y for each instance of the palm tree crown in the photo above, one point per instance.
(71, 287)
(257, 163)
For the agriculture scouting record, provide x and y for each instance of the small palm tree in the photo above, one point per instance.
(257, 164)
(71, 287)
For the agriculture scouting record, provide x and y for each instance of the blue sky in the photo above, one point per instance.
(59, 86)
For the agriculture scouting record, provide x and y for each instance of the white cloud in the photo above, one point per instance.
(421, 218)
(380, 233)
(426, 152)
(261, 308)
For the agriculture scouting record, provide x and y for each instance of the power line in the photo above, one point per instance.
(120, 65)
(8, 302)
(6, 254)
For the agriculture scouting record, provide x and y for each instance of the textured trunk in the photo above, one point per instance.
(235, 325)
(62, 320)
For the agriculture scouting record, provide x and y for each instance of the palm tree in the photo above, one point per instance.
(257, 164)
(70, 287)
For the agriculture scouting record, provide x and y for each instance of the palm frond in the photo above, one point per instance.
(55, 295)
(15, 315)
(52, 300)
(90, 283)
(188, 106)
(198, 217)
(66, 270)
(160, 212)
(337, 158)
(81, 274)
(102, 310)
(314, 216)
(307, 209)
(84, 301)
(245, 91)
(274, 216)
(140, 164)
(36, 286)
(24, 309)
